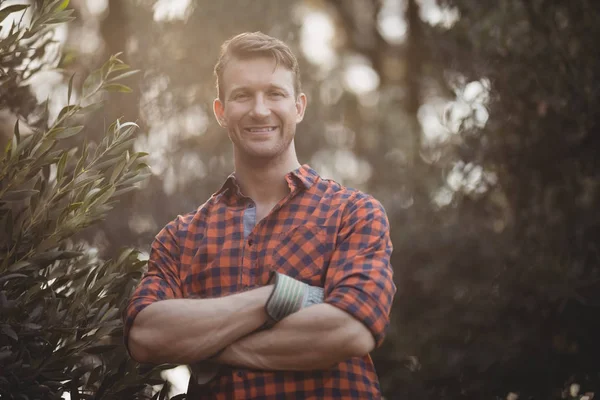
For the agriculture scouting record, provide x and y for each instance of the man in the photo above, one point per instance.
(280, 283)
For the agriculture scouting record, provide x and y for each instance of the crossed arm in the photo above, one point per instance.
(359, 290)
(313, 338)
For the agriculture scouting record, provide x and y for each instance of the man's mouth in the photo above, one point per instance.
(262, 129)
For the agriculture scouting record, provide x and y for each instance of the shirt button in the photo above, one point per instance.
(250, 242)
(240, 374)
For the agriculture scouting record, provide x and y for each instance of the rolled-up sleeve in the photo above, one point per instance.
(360, 277)
(161, 281)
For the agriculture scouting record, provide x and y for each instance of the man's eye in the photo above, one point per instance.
(240, 96)
(276, 94)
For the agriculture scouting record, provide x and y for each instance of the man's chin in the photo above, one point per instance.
(261, 156)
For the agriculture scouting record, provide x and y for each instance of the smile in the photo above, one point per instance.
(264, 129)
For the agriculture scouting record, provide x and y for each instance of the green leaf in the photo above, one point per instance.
(117, 170)
(17, 133)
(103, 197)
(92, 82)
(8, 148)
(119, 126)
(116, 56)
(123, 75)
(24, 143)
(55, 255)
(124, 190)
(138, 178)
(50, 6)
(9, 40)
(82, 159)
(11, 276)
(5, 354)
(65, 110)
(117, 87)
(60, 169)
(35, 314)
(5, 12)
(61, 18)
(13, 147)
(70, 89)
(85, 178)
(121, 147)
(95, 375)
(16, 195)
(43, 147)
(31, 326)
(7, 330)
(68, 132)
(107, 163)
(124, 255)
(90, 195)
(74, 206)
(67, 59)
(99, 349)
(63, 5)
(19, 265)
(47, 243)
(124, 134)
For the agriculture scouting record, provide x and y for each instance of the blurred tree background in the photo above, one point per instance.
(471, 121)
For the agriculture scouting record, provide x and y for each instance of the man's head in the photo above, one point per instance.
(254, 45)
(259, 100)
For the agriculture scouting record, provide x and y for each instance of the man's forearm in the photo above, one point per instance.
(317, 337)
(188, 330)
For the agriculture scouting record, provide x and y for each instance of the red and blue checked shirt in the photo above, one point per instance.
(322, 233)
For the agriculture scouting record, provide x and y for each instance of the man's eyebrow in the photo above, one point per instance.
(277, 87)
(271, 87)
(239, 89)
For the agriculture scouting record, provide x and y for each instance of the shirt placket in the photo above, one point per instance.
(249, 253)
(250, 268)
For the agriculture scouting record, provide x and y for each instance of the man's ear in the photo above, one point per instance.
(219, 110)
(300, 107)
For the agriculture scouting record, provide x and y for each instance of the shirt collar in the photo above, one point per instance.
(304, 176)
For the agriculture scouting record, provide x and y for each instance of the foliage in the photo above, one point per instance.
(60, 306)
(503, 293)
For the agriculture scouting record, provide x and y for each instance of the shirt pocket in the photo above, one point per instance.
(303, 253)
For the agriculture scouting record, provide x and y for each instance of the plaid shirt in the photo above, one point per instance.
(322, 233)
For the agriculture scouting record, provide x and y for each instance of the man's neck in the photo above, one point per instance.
(265, 182)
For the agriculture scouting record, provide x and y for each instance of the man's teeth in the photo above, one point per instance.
(261, 129)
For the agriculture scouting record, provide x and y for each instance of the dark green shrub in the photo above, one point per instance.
(60, 325)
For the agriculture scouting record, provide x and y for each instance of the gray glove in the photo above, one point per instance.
(288, 296)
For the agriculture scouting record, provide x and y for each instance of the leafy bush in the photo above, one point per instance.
(60, 326)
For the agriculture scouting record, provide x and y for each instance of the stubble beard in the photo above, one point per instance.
(260, 157)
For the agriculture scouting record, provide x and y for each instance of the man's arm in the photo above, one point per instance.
(185, 331)
(316, 337)
(160, 326)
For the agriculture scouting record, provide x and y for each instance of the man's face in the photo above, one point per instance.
(260, 109)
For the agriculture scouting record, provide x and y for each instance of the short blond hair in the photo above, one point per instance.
(256, 44)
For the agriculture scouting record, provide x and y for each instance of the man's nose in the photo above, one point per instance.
(260, 108)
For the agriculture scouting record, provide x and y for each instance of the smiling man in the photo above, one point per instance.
(280, 284)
